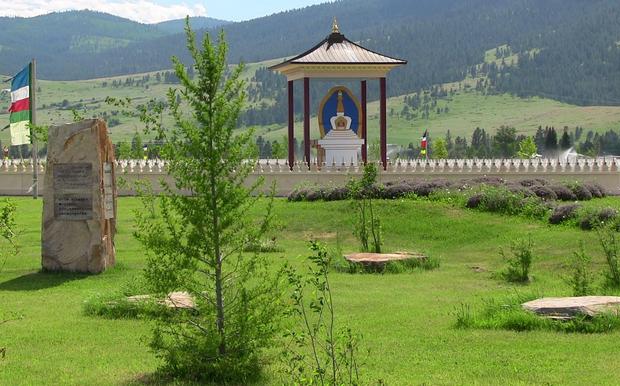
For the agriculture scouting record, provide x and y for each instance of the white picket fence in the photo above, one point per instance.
(16, 175)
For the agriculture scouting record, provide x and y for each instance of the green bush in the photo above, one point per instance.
(500, 200)
(518, 261)
(581, 276)
(534, 207)
(609, 243)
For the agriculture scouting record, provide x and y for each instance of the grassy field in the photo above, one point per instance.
(468, 109)
(407, 320)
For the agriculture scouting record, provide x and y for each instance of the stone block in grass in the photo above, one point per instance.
(391, 262)
(566, 308)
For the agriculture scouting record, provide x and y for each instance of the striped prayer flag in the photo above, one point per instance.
(20, 108)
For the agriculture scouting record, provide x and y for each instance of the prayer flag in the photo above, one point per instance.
(20, 107)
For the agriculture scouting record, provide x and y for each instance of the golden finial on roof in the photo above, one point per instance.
(335, 28)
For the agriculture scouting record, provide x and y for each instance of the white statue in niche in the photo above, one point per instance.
(340, 122)
(341, 144)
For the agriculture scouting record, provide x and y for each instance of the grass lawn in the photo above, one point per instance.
(407, 320)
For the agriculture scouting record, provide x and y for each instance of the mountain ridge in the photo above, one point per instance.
(562, 46)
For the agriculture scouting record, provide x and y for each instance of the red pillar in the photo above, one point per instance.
(383, 122)
(291, 125)
(363, 123)
(307, 120)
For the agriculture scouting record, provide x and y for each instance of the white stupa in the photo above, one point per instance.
(341, 144)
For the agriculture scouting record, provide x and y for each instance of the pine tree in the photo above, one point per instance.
(551, 139)
(565, 141)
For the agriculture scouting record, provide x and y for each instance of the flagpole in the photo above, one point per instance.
(33, 123)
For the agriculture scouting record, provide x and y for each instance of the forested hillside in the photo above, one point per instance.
(56, 38)
(568, 50)
(199, 22)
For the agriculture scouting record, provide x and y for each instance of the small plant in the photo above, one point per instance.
(263, 246)
(367, 225)
(609, 243)
(333, 352)
(464, 317)
(7, 236)
(581, 277)
(519, 261)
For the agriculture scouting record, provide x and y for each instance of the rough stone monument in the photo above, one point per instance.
(79, 201)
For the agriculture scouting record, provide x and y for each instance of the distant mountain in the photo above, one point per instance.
(76, 34)
(566, 49)
(198, 22)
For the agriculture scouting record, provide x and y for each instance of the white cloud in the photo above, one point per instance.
(144, 11)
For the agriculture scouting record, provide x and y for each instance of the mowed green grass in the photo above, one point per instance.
(407, 320)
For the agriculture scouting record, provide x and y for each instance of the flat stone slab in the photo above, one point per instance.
(172, 300)
(569, 307)
(382, 258)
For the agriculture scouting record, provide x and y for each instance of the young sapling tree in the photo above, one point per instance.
(196, 232)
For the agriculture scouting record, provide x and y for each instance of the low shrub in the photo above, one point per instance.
(534, 207)
(474, 201)
(582, 193)
(564, 213)
(490, 181)
(594, 190)
(529, 182)
(563, 193)
(425, 188)
(500, 200)
(315, 195)
(398, 190)
(606, 215)
(591, 218)
(519, 189)
(587, 219)
(544, 192)
(298, 194)
(336, 194)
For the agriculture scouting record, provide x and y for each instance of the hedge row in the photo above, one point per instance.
(547, 191)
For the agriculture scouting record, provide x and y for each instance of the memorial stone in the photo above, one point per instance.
(79, 201)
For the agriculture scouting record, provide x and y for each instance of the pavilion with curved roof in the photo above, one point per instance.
(336, 57)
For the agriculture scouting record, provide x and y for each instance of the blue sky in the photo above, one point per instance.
(248, 9)
(151, 11)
